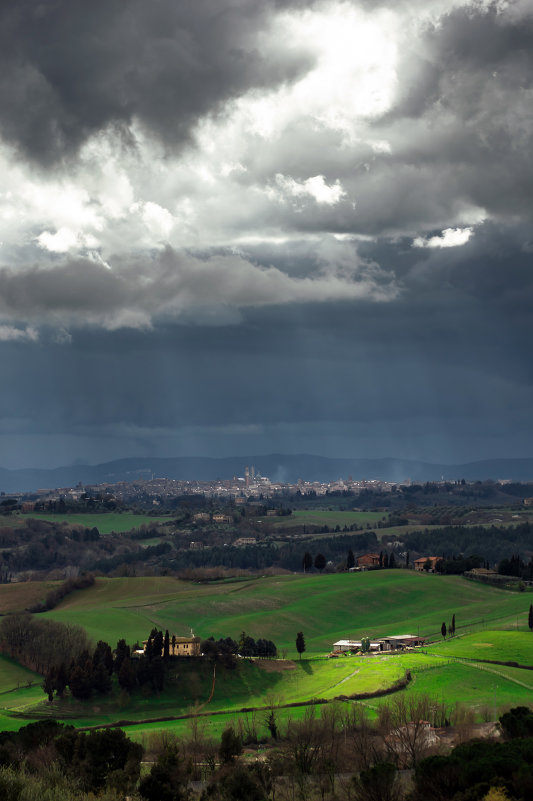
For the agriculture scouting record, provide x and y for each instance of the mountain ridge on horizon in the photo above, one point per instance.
(278, 467)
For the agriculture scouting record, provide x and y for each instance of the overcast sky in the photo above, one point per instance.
(245, 226)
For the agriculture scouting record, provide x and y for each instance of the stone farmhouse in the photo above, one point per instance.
(182, 646)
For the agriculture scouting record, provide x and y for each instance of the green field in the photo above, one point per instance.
(325, 517)
(325, 608)
(13, 675)
(501, 646)
(105, 522)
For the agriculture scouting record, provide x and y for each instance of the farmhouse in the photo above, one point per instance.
(396, 642)
(368, 560)
(182, 646)
(427, 563)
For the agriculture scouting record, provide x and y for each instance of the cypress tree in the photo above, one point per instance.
(300, 643)
(530, 617)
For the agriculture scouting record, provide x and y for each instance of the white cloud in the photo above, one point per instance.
(450, 238)
(9, 333)
(315, 187)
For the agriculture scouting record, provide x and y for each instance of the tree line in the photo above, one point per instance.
(339, 753)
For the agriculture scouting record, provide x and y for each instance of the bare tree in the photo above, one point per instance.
(406, 730)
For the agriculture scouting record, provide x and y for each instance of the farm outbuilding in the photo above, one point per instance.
(396, 642)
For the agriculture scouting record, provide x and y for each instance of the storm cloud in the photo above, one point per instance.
(233, 227)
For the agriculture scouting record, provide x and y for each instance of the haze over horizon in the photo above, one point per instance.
(291, 226)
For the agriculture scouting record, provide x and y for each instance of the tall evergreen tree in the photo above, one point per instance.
(300, 643)
(530, 617)
(307, 562)
(166, 645)
(350, 560)
(443, 629)
(452, 632)
(320, 561)
(392, 561)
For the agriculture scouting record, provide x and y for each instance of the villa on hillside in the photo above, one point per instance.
(182, 646)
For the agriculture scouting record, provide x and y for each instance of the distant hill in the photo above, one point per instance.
(278, 467)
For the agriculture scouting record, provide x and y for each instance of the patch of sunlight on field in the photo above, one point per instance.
(503, 646)
(469, 685)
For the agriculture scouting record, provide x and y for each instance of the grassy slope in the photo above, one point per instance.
(18, 597)
(326, 608)
(105, 522)
(321, 517)
(503, 646)
(13, 675)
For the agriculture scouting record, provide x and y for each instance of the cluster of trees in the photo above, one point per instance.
(319, 562)
(226, 648)
(494, 542)
(87, 674)
(483, 769)
(515, 566)
(448, 630)
(40, 644)
(39, 546)
(50, 760)
(265, 554)
(84, 675)
(458, 565)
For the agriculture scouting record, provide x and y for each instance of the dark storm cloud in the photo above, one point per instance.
(140, 289)
(70, 68)
(265, 337)
(464, 117)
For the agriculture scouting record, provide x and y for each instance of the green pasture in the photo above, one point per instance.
(248, 685)
(13, 676)
(214, 725)
(325, 607)
(325, 517)
(474, 686)
(105, 522)
(502, 646)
